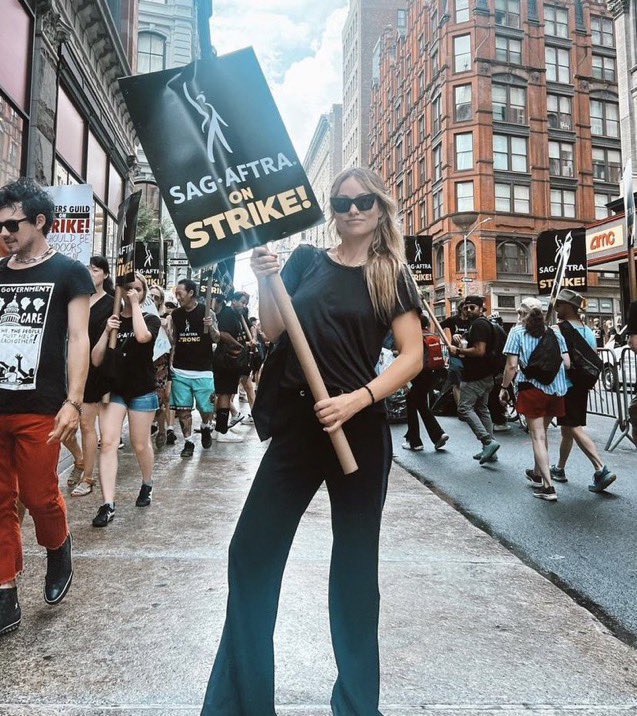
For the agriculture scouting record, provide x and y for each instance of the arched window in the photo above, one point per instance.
(512, 257)
(440, 261)
(471, 256)
(151, 52)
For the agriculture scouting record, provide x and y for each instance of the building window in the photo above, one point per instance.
(506, 301)
(11, 134)
(410, 223)
(462, 53)
(509, 104)
(558, 66)
(421, 83)
(563, 203)
(507, 13)
(560, 112)
(460, 256)
(410, 182)
(601, 210)
(462, 10)
(464, 196)
(151, 52)
(512, 198)
(462, 103)
(438, 163)
(398, 156)
(423, 215)
(437, 114)
(401, 22)
(437, 204)
(561, 159)
(435, 62)
(422, 172)
(512, 257)
(510, 153)
(602, 31)
(508, 50)
(604, 118)
(421, 128)
(555, 21)
(607, 165)
(439, 261)
(604, 68)
(464, 151)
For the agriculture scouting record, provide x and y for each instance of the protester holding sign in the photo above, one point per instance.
(347, 299)
(131, 376)
(164, 416)
(581, 344)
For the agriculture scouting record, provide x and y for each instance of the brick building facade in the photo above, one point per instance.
(503, 112)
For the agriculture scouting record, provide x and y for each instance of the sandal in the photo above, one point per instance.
(84, 487)
(76, 475)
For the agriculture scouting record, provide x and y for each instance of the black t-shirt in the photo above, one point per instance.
(229, 321)
(477, 368)
(599, 336)
(632, 319)
(335, 310)
(193, 346)
(101, 311)
(33, 332)
(457, 325)
(136, 372)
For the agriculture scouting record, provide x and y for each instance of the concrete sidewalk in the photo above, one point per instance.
(466, 628)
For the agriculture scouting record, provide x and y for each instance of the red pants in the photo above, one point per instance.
(28, 470)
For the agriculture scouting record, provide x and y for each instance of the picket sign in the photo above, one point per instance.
(560, 272)
(435, 322)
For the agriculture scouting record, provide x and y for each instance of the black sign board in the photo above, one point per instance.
(551, 245)
(222, 158)
(419, 257)
(222, 279)
(148, 261)
(126, 230)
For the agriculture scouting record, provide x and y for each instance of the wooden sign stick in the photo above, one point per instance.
(310, 369)
(117, 308)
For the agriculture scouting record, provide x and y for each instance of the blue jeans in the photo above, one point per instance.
(147, 403)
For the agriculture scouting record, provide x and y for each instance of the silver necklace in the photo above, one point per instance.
(35, 259)
(341, 261)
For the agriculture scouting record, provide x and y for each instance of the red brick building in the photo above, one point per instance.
(504, 110)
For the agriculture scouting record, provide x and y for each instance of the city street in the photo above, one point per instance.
(466, 627)
(582, 542)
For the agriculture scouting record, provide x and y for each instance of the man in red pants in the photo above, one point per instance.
(44, 299)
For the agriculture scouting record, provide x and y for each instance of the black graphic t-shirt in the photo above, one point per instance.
(96, 385)
(230, 322)
(136, 372)
(481, 331)
(193, 347)
(457, 325)
(335, 309)
(33, 331)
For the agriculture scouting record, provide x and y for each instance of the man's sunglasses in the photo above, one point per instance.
(342, 204)
(12, 225)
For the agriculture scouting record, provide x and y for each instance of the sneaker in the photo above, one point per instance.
(236, 420)
(408, 446)
(188, 449)
(59, 572)
(160, 439)
(206, 436)
(228, 437)
(489, 451)
(442, 442)
(602, 479)
(545, 493)
(248, 420)
(10, 612)
(478, 456)
(558, 474)
(534, 478)
(171, 438)
(501, 428)
(145, 495)
(104, 515)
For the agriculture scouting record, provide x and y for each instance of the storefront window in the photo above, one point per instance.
(15, 40)
(62, 175)
(11, 131)
(97, 164)
(115, 189)
(111, 238)
(70, 139)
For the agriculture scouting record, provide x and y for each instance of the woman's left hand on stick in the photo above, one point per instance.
(333, 413)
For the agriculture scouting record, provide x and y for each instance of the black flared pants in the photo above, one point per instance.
(298, 460)
(418, 402)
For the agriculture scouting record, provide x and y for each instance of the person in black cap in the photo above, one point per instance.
(568, 306)
(477, 378)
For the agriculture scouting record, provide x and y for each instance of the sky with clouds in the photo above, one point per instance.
(298, 43)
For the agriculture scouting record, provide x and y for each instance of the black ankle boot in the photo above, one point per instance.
(10, 614)
(59, 572)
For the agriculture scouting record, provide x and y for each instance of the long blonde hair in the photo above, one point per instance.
(386, 257)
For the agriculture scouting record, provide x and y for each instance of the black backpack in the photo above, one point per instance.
(586, 365)
(496, 356)
(546, 359)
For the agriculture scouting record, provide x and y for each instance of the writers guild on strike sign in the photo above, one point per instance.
(418, 251)
(552, 246)
(221, 156)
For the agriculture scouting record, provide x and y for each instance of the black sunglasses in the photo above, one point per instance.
(12, 225)
(342, 204)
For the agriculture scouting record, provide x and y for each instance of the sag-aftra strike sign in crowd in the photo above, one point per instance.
(234, 169)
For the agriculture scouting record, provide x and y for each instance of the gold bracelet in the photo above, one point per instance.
(77, 406)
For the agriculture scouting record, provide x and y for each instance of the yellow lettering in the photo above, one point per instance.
(197, 236)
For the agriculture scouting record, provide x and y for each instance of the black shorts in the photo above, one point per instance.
(576, 403)
(226, 382)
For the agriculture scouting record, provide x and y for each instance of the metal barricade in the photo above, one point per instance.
(627, 389)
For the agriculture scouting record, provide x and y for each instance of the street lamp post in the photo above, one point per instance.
(466, 236)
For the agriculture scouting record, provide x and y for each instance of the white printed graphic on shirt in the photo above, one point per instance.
(23, 313)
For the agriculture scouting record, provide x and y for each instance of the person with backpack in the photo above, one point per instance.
(477, 378)
(418, 396)
(586, 367)
(536, 358)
